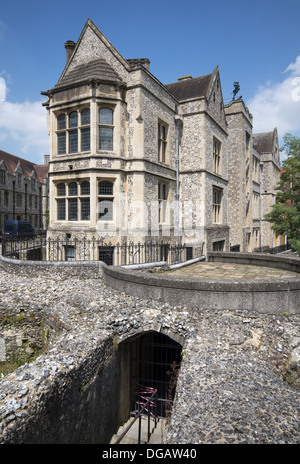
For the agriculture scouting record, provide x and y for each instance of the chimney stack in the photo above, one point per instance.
(69, 46)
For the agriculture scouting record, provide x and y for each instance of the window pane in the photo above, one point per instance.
(85, 188)
(61, 210)
(73, 142)
(105, 138)
(73, 209)
(105, 210)
(106, 254)
(85, 139)
(73, 119)
(85, 209)
(70, 253)
(61, 121)
(73, 188)
(106, 116)
(85, 117)
(61, 190)
(106, 188)
(61, 143)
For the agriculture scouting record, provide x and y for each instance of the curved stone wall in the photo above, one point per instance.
(270, 296)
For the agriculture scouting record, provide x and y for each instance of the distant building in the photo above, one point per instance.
(132, 159)
(23, 190)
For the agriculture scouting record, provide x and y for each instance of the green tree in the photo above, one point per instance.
(285, 214)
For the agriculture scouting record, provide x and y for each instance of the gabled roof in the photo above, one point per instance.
(265, 141)
(29, 169)
(101, 69)
(189, 87)
(97, 70)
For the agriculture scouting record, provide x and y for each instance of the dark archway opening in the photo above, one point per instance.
(155, 362)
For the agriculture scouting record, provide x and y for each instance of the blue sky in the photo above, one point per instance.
(255, 43)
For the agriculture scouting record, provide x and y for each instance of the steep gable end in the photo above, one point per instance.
(94, 54)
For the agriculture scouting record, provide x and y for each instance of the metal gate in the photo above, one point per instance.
(155, 362)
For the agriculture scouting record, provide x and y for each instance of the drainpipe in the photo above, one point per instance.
(260, 181)
(178, 123)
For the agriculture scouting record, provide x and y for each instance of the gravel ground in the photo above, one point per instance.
(239, 379)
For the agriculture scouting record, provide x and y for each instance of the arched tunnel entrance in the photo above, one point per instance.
(154, 362)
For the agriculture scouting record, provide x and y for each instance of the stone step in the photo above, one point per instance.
(131, 437)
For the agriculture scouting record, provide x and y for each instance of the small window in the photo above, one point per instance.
(73, 209)
(61, 190)
(73, 141)
(73, 119)
(106, 254)
(85, 188)
(61, 210)
(162, 201)
(105, 200)
(216, 156)
(105, 209)
(61, 143)
(106, 129)
(219, 246)
(85, 139)
(70, 252)
(85, 209)
(162, 142)
(61, 122)
(106, 116)
(106, 188)
(217, 202)
(73, 189)
(85, 117)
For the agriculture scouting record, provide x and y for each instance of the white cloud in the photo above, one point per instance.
(2, 89)
(278, 105)
(23, 129)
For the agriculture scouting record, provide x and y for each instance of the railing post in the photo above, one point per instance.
(140, 427)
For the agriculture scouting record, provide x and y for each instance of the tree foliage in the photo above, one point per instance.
(285, 214)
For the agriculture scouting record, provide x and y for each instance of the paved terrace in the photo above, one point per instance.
(230, 271)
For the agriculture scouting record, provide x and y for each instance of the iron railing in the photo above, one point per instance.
(146, 403)
(96, 249)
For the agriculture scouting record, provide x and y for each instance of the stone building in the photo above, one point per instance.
(133, 160)
(253, 172)
(23, 190)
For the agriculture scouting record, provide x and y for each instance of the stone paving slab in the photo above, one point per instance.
(231, 271)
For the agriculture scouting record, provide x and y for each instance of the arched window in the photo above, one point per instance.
(61, 189)
(85, 188)
(73, 189)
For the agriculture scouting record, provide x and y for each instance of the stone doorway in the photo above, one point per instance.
(154, 362)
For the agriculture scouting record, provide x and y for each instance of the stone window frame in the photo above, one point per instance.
(73, 132)
(162, 141)
(19, 200)
(217, 153)
(105, 191)
(109, 126)
(217, 200)
(2, 176)
(162, 196)
(72, 202)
